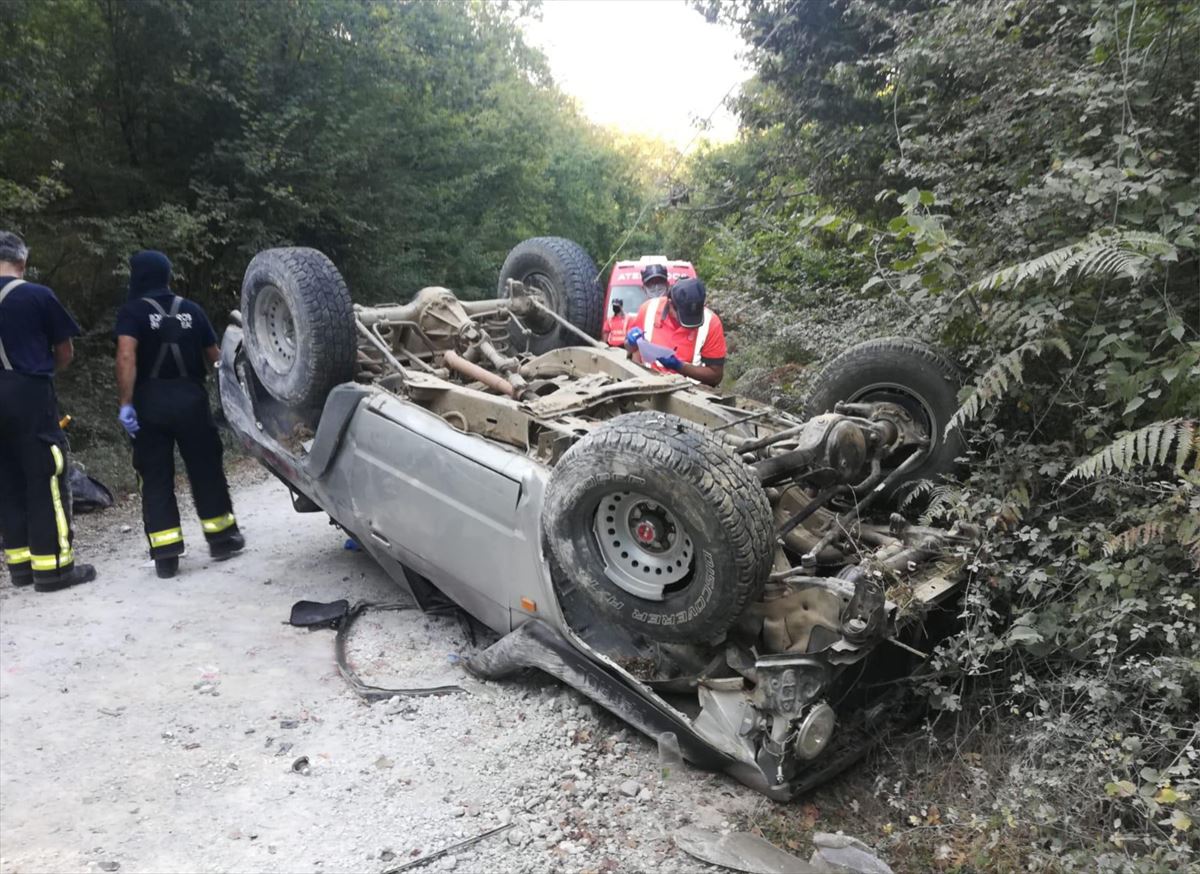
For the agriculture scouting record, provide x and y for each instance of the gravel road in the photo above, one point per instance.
(151, 725)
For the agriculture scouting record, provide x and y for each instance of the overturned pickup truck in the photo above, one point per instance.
(693, 561)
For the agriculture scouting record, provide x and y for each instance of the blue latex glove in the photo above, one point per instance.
(635, 334)
(671, 362)
(128, 419)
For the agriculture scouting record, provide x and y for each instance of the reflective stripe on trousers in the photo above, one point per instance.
(217, 524)
(65, 555)
(165, 537)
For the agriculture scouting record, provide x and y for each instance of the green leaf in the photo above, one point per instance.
(1120, 789)
(1024, 634)
(1133, 405)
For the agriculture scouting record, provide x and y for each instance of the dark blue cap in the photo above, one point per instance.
(654, 271)
(149, 271)
(687, 296)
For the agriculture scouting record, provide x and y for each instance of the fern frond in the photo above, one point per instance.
(1148, 446)
(1188, 535)
(1189, 448)
(1005, 371)
(942, 499)
(1165, 437)
(915, 492)
(1135, 537)
(1002, 316)
(1104, 253)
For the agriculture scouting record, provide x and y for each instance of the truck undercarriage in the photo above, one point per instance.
(715, 563)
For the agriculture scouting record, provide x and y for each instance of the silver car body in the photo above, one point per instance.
(434, 505)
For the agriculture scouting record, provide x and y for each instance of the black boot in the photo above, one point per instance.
(21, 575)
(73, 576)
(227, 546)
(166, 567)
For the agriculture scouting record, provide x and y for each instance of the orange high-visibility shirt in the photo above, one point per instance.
(702, 345)
(615, 328)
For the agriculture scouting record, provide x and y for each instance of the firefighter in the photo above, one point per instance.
(35, 501)
(682, 323)
(165, 345)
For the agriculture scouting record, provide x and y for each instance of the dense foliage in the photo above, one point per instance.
(413, 142)
(1017, 181)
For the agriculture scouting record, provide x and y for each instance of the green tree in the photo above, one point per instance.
(413, 142)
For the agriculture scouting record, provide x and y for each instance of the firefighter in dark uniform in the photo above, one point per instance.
(165, 345)
(35, 502)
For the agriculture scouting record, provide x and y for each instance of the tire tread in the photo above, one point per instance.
(729, 487)
(582, 294)
(326, 299)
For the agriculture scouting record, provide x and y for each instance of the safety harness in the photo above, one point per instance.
(170, 334)
(8, 286)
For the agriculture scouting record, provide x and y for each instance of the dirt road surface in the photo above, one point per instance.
(151, 725)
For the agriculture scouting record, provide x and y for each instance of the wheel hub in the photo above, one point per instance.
(643, 546)
(275, 329)
(539, 322)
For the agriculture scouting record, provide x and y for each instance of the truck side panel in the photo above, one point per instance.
(455, 516)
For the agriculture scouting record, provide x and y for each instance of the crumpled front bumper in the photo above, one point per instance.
(537, 645)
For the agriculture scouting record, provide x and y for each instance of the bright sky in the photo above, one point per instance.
(644, 66)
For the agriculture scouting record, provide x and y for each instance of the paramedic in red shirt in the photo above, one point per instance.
(680, 321)
(616, 324)
(655, 281)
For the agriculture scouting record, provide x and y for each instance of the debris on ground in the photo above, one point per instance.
(842, 854)
(740, 851)
(449, 861)
(87, 493)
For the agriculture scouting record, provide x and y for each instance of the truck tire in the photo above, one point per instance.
(298, 324)
(660, 527)
(566, 276)
(906, 372)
